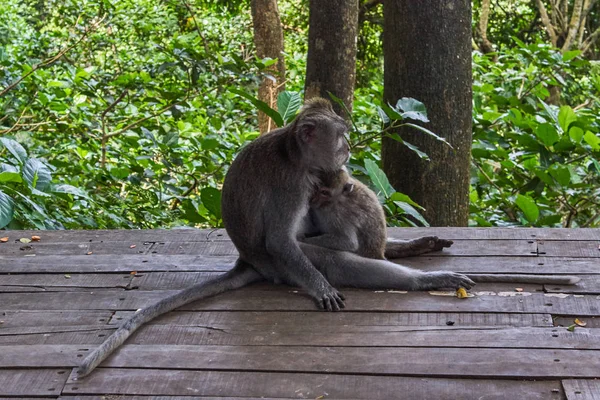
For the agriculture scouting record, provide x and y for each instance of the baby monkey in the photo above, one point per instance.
(351, 219)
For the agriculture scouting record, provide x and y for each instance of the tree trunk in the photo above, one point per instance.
(268, 39)
(484, 43)
(427, 50)
(331, 60)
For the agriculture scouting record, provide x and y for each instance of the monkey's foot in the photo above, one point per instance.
(329, 299)
(444, 279)
(414, 247)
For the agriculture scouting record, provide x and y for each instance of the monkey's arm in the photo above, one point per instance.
(344, 269)
(343, 241)
(242, 275)
(395, 248)
(516, 278)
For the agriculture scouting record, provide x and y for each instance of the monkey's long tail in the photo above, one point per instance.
(517, 278)
(238, 277)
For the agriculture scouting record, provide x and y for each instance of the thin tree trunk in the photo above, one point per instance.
(427, 52)
(573, 25)
(546, 22)
(331, 60)
(485, 45)
(268, 39)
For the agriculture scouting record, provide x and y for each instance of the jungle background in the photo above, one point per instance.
(126, 114)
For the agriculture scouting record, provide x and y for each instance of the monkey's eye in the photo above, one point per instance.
(324, 192)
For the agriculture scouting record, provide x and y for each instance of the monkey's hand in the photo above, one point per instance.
(329, 299)
(414, 247)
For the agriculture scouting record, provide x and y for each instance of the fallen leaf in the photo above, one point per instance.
(133, 273)
(579, 322)
(67, 276)
(571, 328)
(4, 239)
(518, 289)
(24, 240)
(132, 246)
(89, 253)
(461, 293)
(36, 238)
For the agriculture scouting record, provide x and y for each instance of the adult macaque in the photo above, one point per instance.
(350, 218)
(264, 204)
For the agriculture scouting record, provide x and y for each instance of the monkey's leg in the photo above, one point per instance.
(241, 275)
(343, 241)
(395, 248)
(350, 270)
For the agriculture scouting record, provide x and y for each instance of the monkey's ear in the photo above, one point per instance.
(306, 131)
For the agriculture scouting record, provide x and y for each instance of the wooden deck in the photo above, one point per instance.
(62, 296)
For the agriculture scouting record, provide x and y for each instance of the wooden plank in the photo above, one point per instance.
(32, 382)
(581, 248)
(566, 321)
(19, 318)
(581, 389)
(373, 336)
(191, 234)
(309, 386)
(589, 284)
(491, 265)
(28, 282)
(325, 320)
(269, 335)
(413, 361)
(113, 263)
(289, 299)
(482, 247)
(18, 249)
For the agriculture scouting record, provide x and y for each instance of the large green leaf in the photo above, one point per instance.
(528, 206)
(566, 116)
(561, 174)
(7, 176)
(69, 189)
(379, 179)
(593, 140)
(412, 109)
(547, 134)
(410, 210)
(37, 174)
(288, 104)
(427, 131)
(211, 199)
(261, 105)
(15, 149)
(6, 209)
(422, 155)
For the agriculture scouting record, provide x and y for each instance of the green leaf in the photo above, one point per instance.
(379, 179)
(15, 149)
(569, 55)
(528, 206)
(7, 209)
(10, 177)
(64, 188)
(561, 174)
(566, 116)
(422, 155)
(261, 105)
(547, 134)
(592, 140)
(384, 118)
(413, 109)
(410, 210)
(211, 199)
(576, 134)
(37, 174)
(397, 196)
(391, 113)
(288, 104)
(427, 131)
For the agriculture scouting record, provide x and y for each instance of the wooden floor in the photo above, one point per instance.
(62, 296)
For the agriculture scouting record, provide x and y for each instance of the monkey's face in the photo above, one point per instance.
(324, 141)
